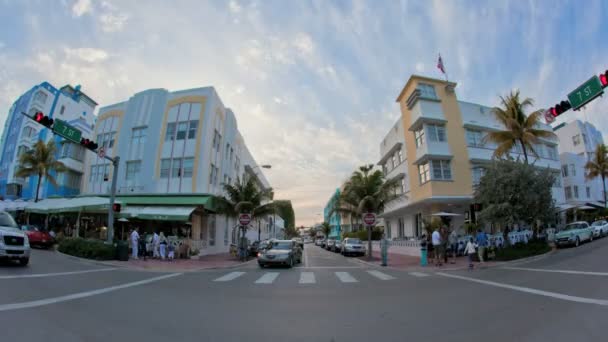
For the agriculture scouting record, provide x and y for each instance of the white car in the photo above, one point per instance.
(600, 228)
(14, 244)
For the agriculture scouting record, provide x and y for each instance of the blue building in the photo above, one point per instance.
(20, 134)
(334, 219)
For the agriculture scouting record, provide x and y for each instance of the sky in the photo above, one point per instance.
(312, 83)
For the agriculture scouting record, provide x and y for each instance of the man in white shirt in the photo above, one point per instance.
(155, 246)
(135, 243)
(436, 240)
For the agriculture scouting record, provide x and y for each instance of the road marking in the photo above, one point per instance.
(41, 302)
(419, 274)
(531, 290)
(345, 277)
(307, 278)
(557, 271)
(327, 267)
(41, 275)
(380, 275)
(230, 276)
(306, 257)
(267, 278)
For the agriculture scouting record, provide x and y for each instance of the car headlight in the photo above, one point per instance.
(26, 241)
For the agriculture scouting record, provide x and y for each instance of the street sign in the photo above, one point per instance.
(63, 129)
(585, 93)
(369, 219)
(244, 219)
(101, 152)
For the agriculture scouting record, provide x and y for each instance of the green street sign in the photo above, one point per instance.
(65, 130)
(585, 93)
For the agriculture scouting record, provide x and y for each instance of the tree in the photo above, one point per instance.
(366, 191)
(325, 228)
(524, 196)
(598, 167)
(519, 128)
(41, 162)
(285, 211)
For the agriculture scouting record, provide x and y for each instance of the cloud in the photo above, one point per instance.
(234, 6)
(419, 67)
(90, 55)
(81, 7)
(112, 19)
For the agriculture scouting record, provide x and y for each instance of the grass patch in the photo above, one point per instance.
(522, 251)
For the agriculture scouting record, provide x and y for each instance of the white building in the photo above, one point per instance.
(176, 149)
(577, 144)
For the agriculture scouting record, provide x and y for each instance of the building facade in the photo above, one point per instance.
(577, 145)
(20, 134)
(437, 150)
(176, 149)
(334, 218)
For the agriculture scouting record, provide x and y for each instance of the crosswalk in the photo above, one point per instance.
(310, 278)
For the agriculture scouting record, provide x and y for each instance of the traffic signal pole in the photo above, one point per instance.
(115, 162)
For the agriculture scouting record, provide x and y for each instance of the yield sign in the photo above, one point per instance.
(244, 219)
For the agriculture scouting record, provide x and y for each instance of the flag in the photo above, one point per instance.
(440, 64)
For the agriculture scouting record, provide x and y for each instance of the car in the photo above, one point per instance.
(299, 241)
(330, 244)
(353, 246)
(280, 252)
(263, 245)
(38, 236)
(14, 243)
(600, 228)
(322, 242)
(337, 247)
(574, 233)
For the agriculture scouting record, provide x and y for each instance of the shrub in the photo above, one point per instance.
(362, 234)
(90, 249)
(521, 250)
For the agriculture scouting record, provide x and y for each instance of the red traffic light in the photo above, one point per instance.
(604, 79)
(38, 116)
(90, 144)
(116, 207)
(42, 119)
(560, 108)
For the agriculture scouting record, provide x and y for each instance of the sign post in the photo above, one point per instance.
(244, 220)
(370, 220)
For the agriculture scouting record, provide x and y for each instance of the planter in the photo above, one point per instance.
(195, 257)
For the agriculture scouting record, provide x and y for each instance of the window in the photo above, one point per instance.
(71, 150)
(588, 192)
(540, 150)
(585, 139)
(28, 132)
(71, 179)
(231, 152)
(192, 127)
(227, 150)
(165, 166)
(551, 152)
(442, 170)
(384, 169)
(93, 174)
(176, 168)
(170, 134)
(572, 170)
(21, 150)
(237, 164)
(111, 138)
(436, 132)
(401, 227)
(106, 172)
(419, 135)
(138, 136)
(565, 170)
(400, 154)
(226, 229)
(558, 180)
(62, 110)
(575, 191)
(41, 97)
(212, 232)
(182, 127)
(478, 173)
(568, 191)
(217, 172)
(211, 173)
(133, 168)
(394, 160)
(225, 179)
(576, 140)
(427, 90)
(403, 185)
(188, 167)
(424, 173)
(217, 140)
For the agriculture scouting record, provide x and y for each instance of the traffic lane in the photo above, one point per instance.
(587, 257)
(48, 261)
(191, 308)
(29, 289)
(319, 257)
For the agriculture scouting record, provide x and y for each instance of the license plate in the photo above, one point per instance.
(271, 257)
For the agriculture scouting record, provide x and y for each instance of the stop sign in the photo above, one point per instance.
(369, 219)
(244, 219)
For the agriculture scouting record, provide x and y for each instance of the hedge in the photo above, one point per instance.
(362, 234)
(85, 248)
(521, 250)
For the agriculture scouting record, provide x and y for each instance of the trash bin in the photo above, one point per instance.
(423, 254)
(122, 251)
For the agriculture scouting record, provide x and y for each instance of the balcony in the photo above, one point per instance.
(432, 150)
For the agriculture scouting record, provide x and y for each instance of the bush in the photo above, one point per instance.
(521, 250)
(362, 234)
(90, 249)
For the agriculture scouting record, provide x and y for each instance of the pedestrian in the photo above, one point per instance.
(134, 243)
(482, 241)
(155, 245)
(444, 243)
(163, 245)
(453, 245)
(469, 251)
(142, 247)
(436, 241)
(171, 249)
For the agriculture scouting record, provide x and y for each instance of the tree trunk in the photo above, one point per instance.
(38, 186)
(523, 147)
(369, 242)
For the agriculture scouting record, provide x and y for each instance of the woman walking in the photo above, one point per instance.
(163, 245)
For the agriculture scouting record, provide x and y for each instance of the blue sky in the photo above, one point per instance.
(313, 83)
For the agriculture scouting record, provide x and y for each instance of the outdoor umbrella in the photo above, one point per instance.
(443, 213)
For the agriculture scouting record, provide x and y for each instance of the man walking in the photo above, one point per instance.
(482, 241)
(155, 246)
(454, 244)
(134, 243)
(436, 240)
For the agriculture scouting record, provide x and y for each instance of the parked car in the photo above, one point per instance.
(337, 248)
(574, 233)
(263, 245)
(280, 252)
(299, 241)
(319, 242)
(38, 236)
(353, 246)
(14, 243)
(600, 228)
(330, 244)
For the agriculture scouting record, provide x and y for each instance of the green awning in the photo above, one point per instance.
(169, 200)
(158, 213)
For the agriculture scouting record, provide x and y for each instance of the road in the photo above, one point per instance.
(328, 298)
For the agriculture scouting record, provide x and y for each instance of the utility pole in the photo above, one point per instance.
(115, 161)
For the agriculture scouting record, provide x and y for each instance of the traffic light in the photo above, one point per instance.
(116, 207)
(604, 79)
(560, 108)
(90, 144)
(42, 119)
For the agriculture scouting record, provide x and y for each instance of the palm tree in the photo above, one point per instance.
(598, 167)
(519, 127)
(326, 229)
(41, 162)
(366, 191)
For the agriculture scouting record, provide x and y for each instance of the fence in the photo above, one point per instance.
(411, 247)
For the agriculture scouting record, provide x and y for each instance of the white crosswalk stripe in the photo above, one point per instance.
(267, 278)
(419, 274)
(380, 275)
(230, 276)
(345, 277)
(307, 278)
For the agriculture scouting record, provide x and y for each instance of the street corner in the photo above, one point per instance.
(210, 262)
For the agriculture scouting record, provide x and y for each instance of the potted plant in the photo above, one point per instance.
(194, 254)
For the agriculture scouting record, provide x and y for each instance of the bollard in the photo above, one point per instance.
(423, 256)
(384, 252)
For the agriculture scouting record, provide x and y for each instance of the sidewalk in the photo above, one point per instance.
(214, 261)
(412, 263)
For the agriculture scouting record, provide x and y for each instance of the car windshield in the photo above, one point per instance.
(30, 228)
(353, 241)
(598, 223)
(574, 226)
(281, 245)
(7, 220)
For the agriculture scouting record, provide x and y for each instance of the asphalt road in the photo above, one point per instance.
(561, 297)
